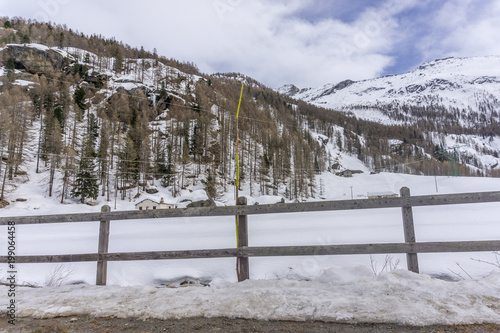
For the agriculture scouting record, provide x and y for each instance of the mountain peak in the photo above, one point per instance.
(288, 90)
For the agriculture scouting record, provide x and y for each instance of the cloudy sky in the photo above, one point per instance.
(305, 42)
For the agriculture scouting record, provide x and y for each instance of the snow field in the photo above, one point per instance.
(397, 297)
(331, 288)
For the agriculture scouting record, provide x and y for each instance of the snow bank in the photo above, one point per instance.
(398, 297)
(197, 195)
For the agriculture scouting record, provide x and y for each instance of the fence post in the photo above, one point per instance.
(243, 262)
(102, 265)
(409, 230)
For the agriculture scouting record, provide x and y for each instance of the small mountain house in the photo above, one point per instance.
(148, 204)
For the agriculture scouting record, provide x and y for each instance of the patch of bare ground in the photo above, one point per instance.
(105, 325)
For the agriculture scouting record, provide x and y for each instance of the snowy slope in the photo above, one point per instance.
(147, 74)
(398, 297)
(453, 82)
(460, 223)
(331, 288)
(457, 95)
(44, 48)
(354, 289)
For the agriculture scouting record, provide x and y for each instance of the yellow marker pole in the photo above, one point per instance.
(237, 145)
(238, 163)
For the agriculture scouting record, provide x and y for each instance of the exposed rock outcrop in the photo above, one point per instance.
(35, 60)
(152, 190)
(203, 203)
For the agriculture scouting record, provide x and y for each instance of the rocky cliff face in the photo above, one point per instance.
(36, 59)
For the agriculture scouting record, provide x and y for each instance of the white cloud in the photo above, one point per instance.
(464, 28)
(272, 43)
(268, 40)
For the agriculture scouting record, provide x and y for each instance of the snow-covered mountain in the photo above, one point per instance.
(174, 112)
(470, 86)
(145, 126)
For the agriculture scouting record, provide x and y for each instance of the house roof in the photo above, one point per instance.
(147, 200)
(154, 201)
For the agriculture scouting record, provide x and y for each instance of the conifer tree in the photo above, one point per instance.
(86, 182)
(79, 97)
(85, 185)
(9, 69)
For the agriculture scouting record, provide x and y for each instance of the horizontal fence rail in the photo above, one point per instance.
(278, 251)
(243, 251)
(428, 200)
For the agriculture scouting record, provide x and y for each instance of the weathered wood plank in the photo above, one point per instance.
(55, 258)
(453, 247)
(167, 255)
(102, 265)
(243, 263)
(429, 200)
(388, 248)
(453, 199)
(409, 231)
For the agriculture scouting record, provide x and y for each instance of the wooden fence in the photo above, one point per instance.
(243, 252)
